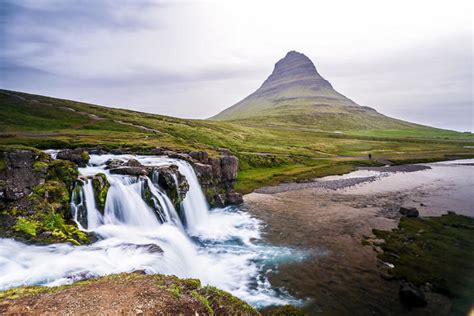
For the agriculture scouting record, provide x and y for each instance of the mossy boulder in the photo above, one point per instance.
(172, 182)
(78, 156)
(63, 170)
(101, 187)
(35, 198)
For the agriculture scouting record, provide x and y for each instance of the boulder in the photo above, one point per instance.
(20, 172)
(79, 156)
(101, 187)
(172, 182)
(131, 167)
(409, 211)
(411, 296)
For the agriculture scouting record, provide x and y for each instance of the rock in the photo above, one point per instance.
(224, 151)
(411, 296)
(172, 182)
(156, 151)
(409, 211)
(234, 198)
(78, 156)
(20, 172)
(204, 172)
(131, 167)
(229, 165)
(200, 156)
(101, 187)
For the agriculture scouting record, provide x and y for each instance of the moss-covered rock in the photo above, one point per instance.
(101, 187)
(63, 170)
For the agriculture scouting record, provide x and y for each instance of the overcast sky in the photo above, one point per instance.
(408, 59)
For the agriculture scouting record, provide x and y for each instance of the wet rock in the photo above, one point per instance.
(172, 182)
(131, 167)
(101, 187)
(20, 172)
(79, 156)
(411, 296)
(409, 211)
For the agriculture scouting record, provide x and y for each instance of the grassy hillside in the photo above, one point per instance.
(269, 150)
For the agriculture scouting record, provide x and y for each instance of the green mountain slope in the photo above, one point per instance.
(296, 94)
(267, 154)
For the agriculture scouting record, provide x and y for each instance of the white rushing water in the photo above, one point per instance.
(220, 247)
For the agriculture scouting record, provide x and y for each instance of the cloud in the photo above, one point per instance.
(194, 58)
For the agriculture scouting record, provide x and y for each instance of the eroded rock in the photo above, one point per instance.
(78, 156)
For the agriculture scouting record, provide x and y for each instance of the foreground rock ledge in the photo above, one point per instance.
(126, 293)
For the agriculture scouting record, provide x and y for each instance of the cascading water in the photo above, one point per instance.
(134, 235)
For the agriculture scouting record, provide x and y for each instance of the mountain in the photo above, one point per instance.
(296, 93)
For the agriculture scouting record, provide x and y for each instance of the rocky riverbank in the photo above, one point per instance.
(344, 274)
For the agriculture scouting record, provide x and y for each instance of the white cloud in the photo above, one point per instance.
(195, 58)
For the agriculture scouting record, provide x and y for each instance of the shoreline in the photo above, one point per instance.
(346, 275)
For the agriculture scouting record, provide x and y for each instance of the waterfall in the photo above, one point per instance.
(139, 231)
(196, 209)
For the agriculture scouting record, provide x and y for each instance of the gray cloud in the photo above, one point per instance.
(194, 58)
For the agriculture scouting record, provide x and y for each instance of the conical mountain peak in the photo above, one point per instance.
(294, 84)
(295, 69)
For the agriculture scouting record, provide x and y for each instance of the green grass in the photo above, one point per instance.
(435, 250)
(283, 143)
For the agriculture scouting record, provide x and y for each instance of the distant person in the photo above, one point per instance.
(370, 156)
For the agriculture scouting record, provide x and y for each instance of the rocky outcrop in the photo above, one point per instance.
(172, 181)
(78, 156)
(20, 172)
(34, 198)
(217, 176)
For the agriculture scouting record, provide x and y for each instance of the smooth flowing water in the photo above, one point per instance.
(220, 247)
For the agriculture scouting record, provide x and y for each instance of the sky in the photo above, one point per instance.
(412, 60)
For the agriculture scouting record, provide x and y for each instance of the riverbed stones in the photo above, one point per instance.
(409, 211)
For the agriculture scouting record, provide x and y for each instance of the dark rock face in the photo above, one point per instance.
(411, 296)
(79, 156)
(20, 172)
(409, 211)
(217, 178)
(35, 191)
(172, 181)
